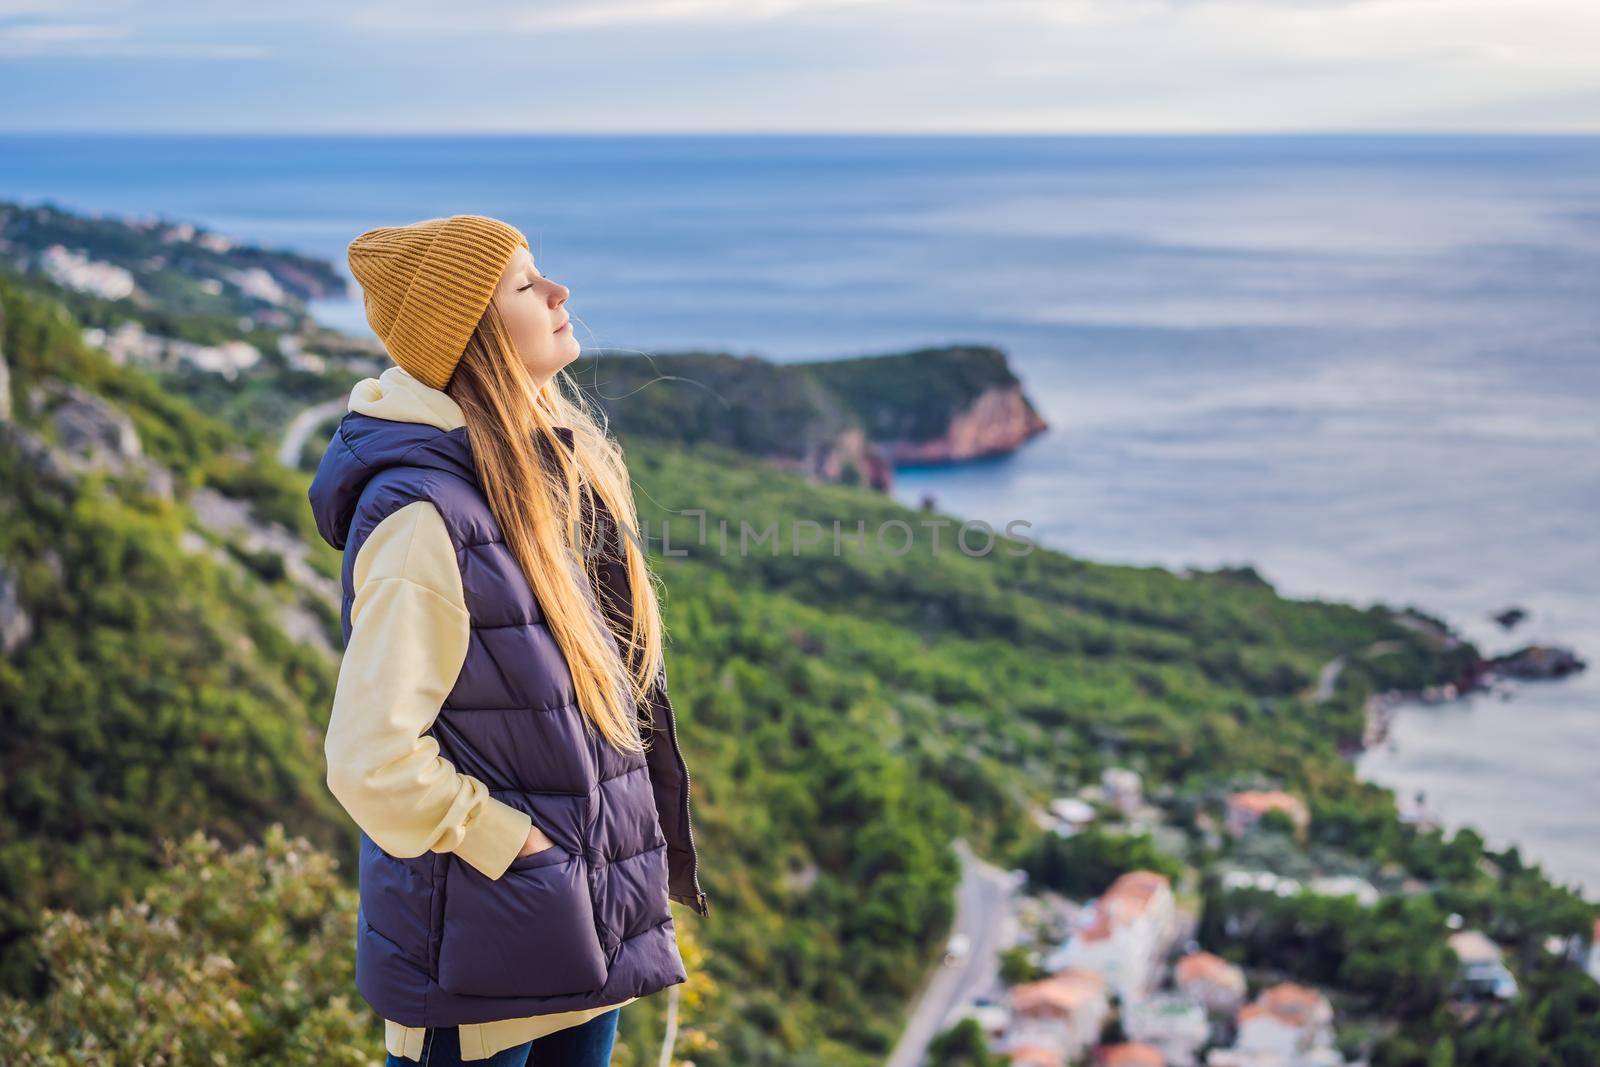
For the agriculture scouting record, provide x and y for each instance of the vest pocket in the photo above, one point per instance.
(529, 933)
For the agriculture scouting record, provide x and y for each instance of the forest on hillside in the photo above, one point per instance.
(169, 843)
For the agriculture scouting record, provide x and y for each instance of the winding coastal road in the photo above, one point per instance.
(984, 910)
(1327, 678)
(300, 427)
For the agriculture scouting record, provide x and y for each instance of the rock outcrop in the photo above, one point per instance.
(16, 625)
(1537, 662)
(850, 421)
(998, 421)
(91, 434)
(848, 459)
(934, 405)
(5, 373)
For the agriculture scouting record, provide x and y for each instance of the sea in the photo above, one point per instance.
(1367, 366)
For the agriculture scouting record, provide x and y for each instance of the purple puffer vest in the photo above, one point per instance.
(581, 924)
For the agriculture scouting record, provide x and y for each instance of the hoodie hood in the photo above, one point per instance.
(393, 420)
(398, 396)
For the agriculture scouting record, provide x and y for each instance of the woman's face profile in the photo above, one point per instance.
(534, 311)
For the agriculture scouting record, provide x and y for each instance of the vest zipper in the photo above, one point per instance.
(700, 905)
(610, 536)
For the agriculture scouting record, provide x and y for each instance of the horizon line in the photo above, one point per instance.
(369, 134)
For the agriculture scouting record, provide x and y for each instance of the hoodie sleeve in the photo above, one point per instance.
(408, 641)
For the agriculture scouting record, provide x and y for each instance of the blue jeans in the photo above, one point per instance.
(586, 1045)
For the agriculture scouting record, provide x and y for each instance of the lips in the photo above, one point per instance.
(564, 326)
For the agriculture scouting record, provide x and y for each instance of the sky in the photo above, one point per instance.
(793, 66)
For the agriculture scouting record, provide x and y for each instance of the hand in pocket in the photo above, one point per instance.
(537, 841)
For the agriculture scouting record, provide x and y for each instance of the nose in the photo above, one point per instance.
(560, 294)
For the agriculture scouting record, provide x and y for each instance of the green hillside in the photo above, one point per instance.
(786, 409)
(845, 717)
(156, 692)
(742, 402)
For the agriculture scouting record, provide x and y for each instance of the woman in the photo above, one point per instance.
(501, 730)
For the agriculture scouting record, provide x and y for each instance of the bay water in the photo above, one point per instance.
(1369, 366)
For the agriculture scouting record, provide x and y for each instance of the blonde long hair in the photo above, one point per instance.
(540, 509)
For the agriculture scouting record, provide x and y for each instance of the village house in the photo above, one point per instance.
(1483, 971)
(74, 270)
(1345, 885)
(1232, 1057)
(129, 343)
(1211, 981)
(1064, 1012)
(1172, 1023)
(1071, 815)
(1265, 881)
(1123, 789)
(1288, 1025)
(1035, 1056)
(1124, 934)
(1246, 810)
(1128, 1054)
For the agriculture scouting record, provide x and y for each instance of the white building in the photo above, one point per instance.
(1071, 815)
(1288, 1025)
(1211, 981)
(1172, 1023)
(1123, 788)
(1124, 934)
(1035, 1056)
(74, 270)
(1345, 885)
(1265, 881)
(1232, 1057)
(1063, 1013)
(129, 343)
(259, 283)
(1483, 972)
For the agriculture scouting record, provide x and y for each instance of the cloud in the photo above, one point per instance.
(860, 65)
(636, 12)
(29, 32)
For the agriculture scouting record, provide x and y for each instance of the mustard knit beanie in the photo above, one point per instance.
(426, 285)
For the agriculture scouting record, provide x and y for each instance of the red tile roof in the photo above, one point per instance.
(1207, 967)
(1129, 1054)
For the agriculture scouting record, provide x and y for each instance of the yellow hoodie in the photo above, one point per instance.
(408, 640)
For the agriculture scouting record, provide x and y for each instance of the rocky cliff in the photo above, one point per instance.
(997, 421)
(934, 405)
(850, 421)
